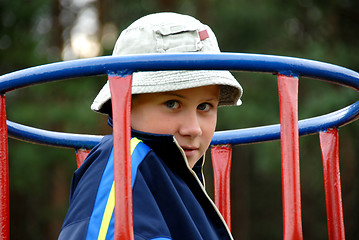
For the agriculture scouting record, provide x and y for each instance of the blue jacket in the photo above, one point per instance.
(169, 201)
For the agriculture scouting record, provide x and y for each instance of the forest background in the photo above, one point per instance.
(36, 32)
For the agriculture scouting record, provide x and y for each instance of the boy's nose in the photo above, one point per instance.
(190, 126)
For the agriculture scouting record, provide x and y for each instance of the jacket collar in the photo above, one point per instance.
(165, 146)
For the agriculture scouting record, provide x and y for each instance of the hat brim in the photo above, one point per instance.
(164, 81)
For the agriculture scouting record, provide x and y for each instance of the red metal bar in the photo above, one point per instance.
(329, 143)
(221, 160)
(4, 174)
(81, 155)
(288, 103)
(121, 112)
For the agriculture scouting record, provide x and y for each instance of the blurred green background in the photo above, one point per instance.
(35, 32)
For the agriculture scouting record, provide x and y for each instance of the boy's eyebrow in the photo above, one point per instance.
(183, 97)
(173, 94)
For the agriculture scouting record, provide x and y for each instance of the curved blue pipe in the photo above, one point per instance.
(272, 132)
(234, 137)
(225, 61)
(57, 139)
(179, 61)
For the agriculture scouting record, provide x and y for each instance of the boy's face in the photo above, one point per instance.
(190, 115)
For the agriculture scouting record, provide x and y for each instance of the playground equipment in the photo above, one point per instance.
(119, 70)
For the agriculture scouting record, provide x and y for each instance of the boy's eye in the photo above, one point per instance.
(204, 107)
(172, 104)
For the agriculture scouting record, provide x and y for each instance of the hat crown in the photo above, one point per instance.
(170, 33)
(166, 32)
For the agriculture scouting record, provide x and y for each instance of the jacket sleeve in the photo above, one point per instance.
(84, 186)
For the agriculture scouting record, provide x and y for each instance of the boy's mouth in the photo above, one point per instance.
(189, 148)
(189, 151)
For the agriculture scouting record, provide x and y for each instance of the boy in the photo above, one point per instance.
(173, 118)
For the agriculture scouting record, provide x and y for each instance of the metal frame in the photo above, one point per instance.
(287, 69)
(225, 61)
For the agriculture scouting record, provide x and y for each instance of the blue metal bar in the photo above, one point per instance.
(234, 137)
(272, 132)
(223, 61)
(57, 139)
(149, 62)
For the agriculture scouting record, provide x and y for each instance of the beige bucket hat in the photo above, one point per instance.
(171, 33)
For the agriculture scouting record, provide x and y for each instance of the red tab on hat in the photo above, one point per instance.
(203, 35)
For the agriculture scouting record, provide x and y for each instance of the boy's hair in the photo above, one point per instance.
(170, 33)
